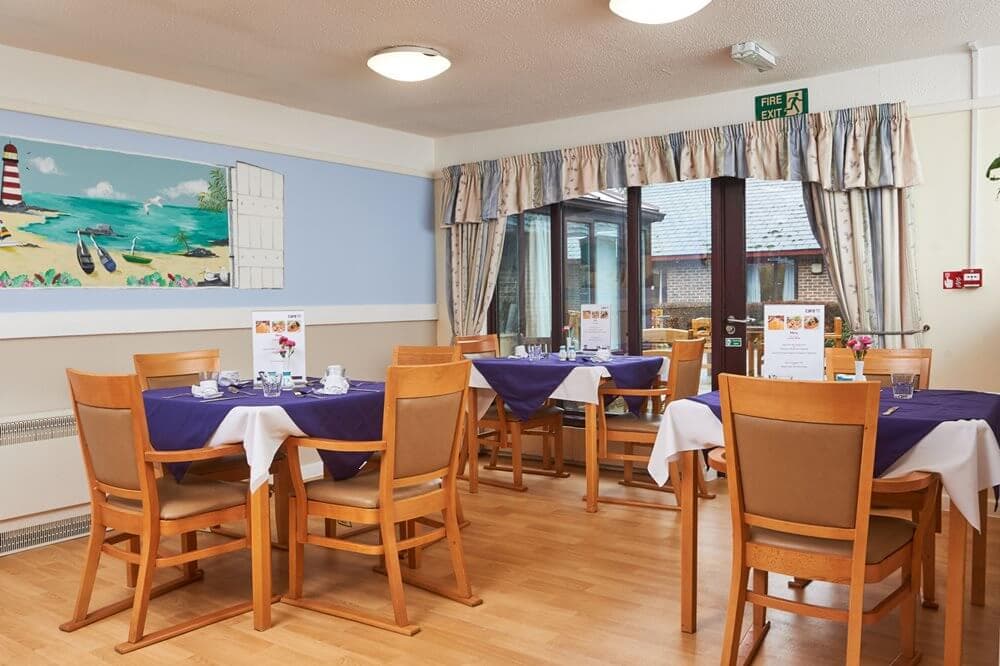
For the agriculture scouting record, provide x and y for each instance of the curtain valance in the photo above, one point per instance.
(861, 148)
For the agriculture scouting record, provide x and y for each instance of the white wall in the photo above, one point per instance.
(53, 86)
(938, 91)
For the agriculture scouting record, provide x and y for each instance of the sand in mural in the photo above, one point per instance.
(72, 217)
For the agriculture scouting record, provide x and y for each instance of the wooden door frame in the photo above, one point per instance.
(729, 269)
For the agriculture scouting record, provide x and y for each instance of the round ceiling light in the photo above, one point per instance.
(409, 63)
(656, 11)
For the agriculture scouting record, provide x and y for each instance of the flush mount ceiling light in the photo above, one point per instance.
(409, 63)
(656, 11)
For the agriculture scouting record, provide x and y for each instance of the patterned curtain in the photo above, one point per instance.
(867, 238)
(866, 155)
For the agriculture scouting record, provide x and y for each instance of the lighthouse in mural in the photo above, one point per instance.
(10, 190)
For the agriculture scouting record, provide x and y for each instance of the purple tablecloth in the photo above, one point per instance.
(900, 431)
(176, 424)
(526, 385)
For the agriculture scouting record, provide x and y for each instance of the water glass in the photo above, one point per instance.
(902, 385)
(534, 352)
(271, 383)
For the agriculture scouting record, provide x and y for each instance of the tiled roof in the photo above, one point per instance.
(775, 215)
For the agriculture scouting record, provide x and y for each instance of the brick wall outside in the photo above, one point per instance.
(814, 288)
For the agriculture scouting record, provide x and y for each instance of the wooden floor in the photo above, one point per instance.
(559, 586)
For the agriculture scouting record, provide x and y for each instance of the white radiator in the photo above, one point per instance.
(43, 484)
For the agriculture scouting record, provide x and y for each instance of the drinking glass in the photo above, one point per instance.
(271, 383)
(534, 352)
(543, 350)
(902, 385)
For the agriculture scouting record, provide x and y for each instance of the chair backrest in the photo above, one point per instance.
(701, 327)
(423, 421)
(113, 433)
(478, 346)
(428, 355)
(174, 369)
(800, 455)
(881, 363)
(684, 377)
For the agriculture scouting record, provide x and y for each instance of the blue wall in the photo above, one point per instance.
(352, 235)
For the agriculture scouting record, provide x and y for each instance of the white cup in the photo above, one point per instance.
(520, 351)
(334, 371)
(209, 386)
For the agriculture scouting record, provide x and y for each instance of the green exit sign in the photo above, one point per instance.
(782, 104)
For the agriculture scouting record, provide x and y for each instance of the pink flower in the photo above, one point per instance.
(289, 342)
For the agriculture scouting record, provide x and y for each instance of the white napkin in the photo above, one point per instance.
(335, 384)
(603, 355)
(197, 392)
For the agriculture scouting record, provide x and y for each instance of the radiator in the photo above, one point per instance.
(43, 484)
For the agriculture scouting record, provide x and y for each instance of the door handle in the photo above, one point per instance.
(733, 320)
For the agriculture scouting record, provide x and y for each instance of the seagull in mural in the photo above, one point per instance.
(155, 201)
(993, 173)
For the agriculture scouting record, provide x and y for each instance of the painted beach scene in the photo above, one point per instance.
(85, 217)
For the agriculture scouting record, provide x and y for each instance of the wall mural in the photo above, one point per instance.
(83, 217)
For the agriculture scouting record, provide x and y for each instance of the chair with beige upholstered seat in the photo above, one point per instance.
(181, 370)
(881, 363)
(424, 355)
(800, 459)
(126, 496)
(499, 428)
(422, 430)
(639, 430)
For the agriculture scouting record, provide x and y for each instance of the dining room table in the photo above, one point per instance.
(951, 433)
(180, 421)
(525, 385)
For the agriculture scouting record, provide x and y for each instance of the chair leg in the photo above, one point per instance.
(454, 536)
(413, 556)
(282, 490)
(189, 542)
(94, 543)
(908, 619)
(132, 570)
(393, 572)
(147, 564)
(929, 592)
(515, 455)
(734, 613)
(855, 619)
(546, 452)
(627, 466)
(296, 551)
(557, 445)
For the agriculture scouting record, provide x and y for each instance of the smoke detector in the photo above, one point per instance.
(753, 55)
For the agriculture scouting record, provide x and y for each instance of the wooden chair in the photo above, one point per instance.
(630, 430)
(181, 370)
(881, 363)
(127, 497)
(701, 327)
(423, 428)
(500, 428)
(418, 355)
(800, 458)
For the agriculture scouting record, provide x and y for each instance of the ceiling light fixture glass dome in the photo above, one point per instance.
(409, 63)
(656, 11)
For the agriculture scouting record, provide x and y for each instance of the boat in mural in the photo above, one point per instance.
(83, 255)
(6, 238)
(106, 260)
(133, 257)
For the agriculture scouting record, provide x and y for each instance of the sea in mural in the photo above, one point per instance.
(72, 216)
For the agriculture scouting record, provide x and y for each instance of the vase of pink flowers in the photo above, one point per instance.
(286, 347)
(859, 345)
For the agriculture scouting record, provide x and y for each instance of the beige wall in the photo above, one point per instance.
(32, 370)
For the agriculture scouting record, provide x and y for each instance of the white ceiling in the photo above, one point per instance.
(514, 61)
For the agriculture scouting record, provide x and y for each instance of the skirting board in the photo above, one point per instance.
(17, 325)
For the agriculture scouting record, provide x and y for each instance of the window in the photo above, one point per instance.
(676, 224)
(523, 299)
(771, 281)
(594, 260)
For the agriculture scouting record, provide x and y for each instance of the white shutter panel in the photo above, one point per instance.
(258, 215)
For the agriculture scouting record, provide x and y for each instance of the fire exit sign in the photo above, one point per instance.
(782, 104)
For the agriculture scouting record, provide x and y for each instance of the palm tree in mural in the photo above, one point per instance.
(993, 173)
(185, 240)
(217, 197)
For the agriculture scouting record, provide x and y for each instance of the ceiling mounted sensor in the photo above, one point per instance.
(753, 55)
(409, 63)
(656, 11)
